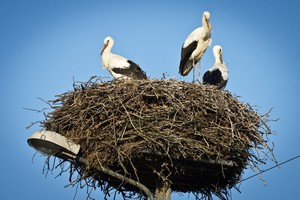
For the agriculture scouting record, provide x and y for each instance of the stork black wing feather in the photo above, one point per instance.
(134, 71)
(214, 78)
(185, 55)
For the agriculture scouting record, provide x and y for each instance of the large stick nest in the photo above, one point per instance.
(196, 137)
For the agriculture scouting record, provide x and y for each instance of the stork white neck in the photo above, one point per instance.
(108, 44)
(205, 20)
(218, 54)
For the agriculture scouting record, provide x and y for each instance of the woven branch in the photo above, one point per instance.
(196, 137)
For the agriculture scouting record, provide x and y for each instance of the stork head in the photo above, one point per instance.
(108, 42)
(218, 53)
(205, 18)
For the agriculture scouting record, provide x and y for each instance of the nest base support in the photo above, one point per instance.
(163, 190)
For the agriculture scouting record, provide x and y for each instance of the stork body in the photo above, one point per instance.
(218, 74)
(118, 66)
(195, 46)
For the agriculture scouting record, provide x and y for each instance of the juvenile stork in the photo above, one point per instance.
(195, 46)
(118, 66)
(218, 74)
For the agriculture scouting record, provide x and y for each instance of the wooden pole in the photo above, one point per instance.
(163, 190)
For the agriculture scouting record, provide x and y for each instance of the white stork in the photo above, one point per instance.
(195, 46)
(218, 74)
(118, 66)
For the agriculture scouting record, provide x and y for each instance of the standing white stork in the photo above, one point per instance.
(218, 74)
(118, 66)
(195, 46)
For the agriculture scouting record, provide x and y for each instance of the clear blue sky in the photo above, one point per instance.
(44, 44)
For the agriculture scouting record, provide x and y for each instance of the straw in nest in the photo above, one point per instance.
(196, 138)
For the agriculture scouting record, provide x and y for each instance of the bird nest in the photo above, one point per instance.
(197, 138)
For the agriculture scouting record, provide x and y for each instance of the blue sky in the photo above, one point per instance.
(44, 44)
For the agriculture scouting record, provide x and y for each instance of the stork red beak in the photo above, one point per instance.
(105, 45)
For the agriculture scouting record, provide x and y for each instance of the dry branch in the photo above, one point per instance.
(196, 138)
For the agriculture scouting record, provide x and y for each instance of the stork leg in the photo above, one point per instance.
(193, 74)
(193, 66)
(199, 67)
